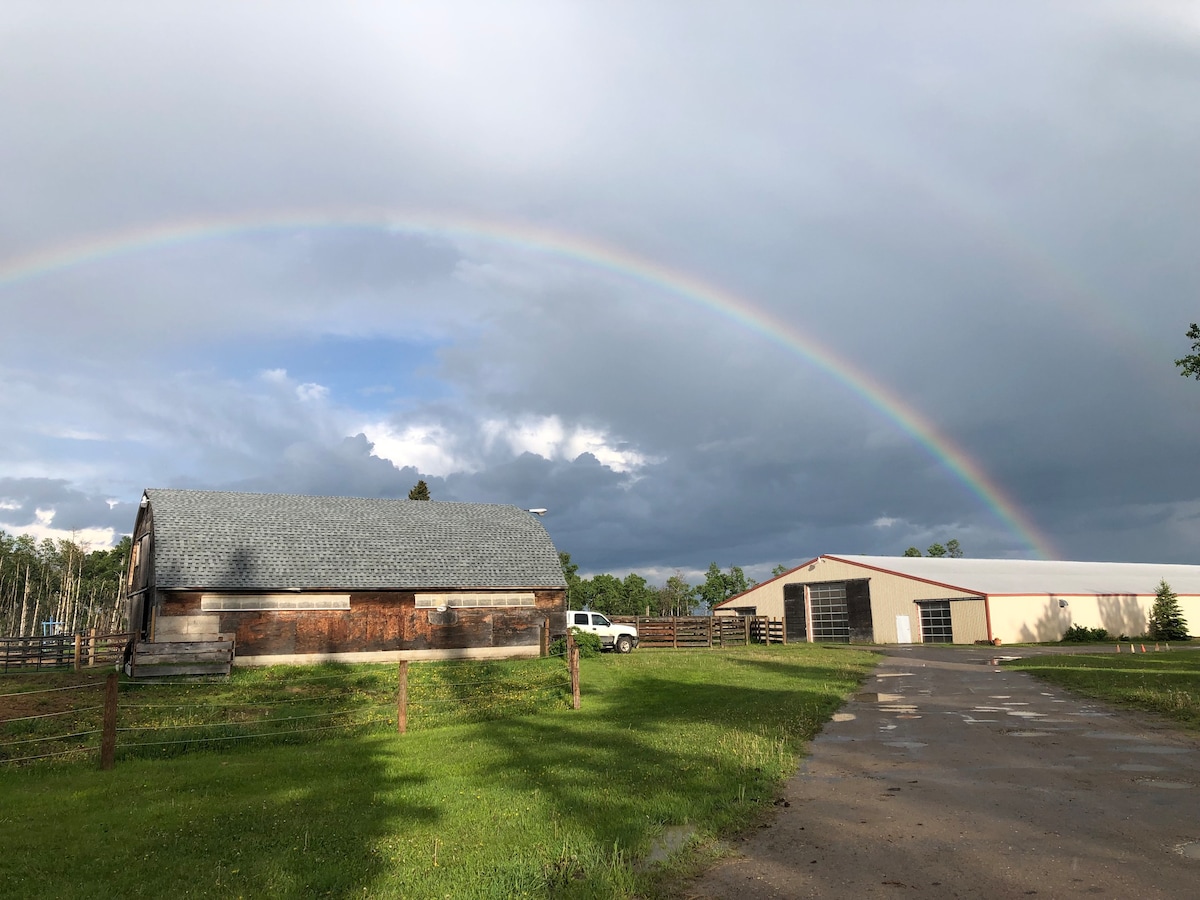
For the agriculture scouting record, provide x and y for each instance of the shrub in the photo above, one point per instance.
(589, 644)
(1079, 634)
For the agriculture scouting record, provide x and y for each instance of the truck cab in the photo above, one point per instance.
(621, 638)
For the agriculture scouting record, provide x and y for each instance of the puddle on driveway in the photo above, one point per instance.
(1026, 714)
(1030, 733)
(1191, 849)
(844, 717)
(873, 697)
(1165, 785)
(905, 745)
(1136, 767)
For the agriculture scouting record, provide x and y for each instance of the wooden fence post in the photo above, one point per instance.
(108, 731)
(573, 668)
(78, 651)
(544, 639)
(783, 624)
(402, 699)
(675, 632)
(92, 649)
(710, 626)
(746, 627)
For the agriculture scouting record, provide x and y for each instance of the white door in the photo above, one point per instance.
(903, 630)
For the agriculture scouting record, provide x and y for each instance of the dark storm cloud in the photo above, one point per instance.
(73, 510)
(989, 210)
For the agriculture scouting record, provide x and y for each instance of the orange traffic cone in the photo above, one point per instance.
(1143, 648)
(1118, 648)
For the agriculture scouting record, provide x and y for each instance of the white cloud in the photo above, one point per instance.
(42, 528)
(548, 437)
(427, 448)
(438, 449)
(312, 393)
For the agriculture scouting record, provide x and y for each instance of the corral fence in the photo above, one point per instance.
(63, 651)
(63, 715)
(705, 631)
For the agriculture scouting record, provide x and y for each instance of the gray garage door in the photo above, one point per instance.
(936, 627)
(830, 617)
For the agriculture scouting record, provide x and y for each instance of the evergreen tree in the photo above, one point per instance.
(936, 550)
(420, 491)
(1166, 618)
(912, 551)
(953, 550)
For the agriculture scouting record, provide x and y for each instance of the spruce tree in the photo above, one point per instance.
(420, 491)
(1166, 619)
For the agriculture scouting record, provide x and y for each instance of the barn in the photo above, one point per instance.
(290, 578)
(901, 600)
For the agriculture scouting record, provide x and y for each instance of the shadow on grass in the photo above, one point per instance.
(280, 822)
(657, 751)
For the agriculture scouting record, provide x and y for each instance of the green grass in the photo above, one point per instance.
(560, 803)
(1166, 684)
(287, 704)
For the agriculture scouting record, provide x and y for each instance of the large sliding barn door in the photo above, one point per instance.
(794, 614)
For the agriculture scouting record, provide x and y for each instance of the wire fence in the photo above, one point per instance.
(54, 718)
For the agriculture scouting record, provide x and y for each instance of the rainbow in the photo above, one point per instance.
(590, 252)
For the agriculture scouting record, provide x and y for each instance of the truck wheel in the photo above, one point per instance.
(624, 644)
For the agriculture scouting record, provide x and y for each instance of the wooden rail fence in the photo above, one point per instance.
(62, 651)
(704, 631)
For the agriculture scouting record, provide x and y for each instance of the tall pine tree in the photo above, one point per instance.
(1166, 618)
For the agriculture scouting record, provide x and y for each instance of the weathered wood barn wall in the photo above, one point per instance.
(295, 578)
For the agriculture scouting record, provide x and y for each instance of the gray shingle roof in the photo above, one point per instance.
(235, 541)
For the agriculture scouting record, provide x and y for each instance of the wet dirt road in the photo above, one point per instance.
(950, 777)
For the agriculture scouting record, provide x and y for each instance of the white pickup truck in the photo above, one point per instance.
(621, 638)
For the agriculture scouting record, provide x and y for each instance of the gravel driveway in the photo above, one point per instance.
(950, 777)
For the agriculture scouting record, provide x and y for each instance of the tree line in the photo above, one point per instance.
(633, 595)
(951, 549)
(60, 587)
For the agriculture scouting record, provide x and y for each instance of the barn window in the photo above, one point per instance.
(475, 600)
(249, 602)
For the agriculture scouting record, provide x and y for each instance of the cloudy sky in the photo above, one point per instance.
(724, 282)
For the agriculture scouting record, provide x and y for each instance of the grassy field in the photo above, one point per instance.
(58, 713)
(1167, 684)
(560, 803)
